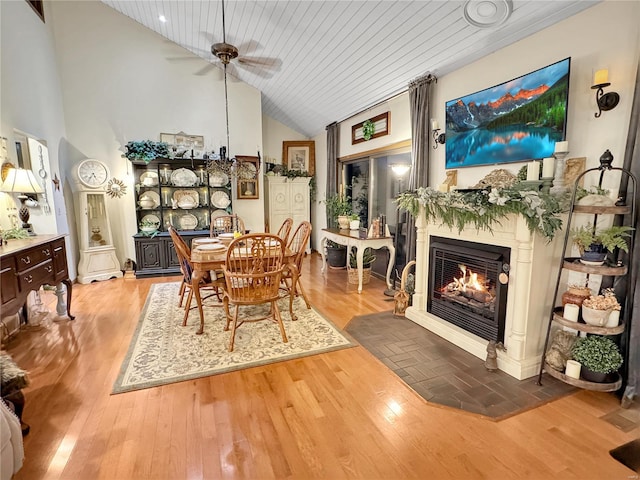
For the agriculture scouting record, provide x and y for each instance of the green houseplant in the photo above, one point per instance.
(367, 259)
(338, 206)
(593, 246)
(146, 150)
(598, 355)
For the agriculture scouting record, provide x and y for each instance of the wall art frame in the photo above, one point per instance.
(381, 127)
(300, 155)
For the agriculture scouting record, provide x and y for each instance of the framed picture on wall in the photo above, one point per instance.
(300, 155)
(247, 189)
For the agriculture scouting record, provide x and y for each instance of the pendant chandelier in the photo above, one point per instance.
(224, 163)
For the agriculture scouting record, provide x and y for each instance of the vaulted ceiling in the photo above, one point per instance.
(317, 62)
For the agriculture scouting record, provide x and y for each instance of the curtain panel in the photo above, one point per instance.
(631, 341)
(332, 162)
(420, 91)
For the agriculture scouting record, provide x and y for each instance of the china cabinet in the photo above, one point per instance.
(176, 192)
(615, 267)
(287, 198)
(98, 260)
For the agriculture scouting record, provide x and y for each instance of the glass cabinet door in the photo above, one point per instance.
(98, 227)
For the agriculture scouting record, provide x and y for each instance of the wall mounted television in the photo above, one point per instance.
(515, 121)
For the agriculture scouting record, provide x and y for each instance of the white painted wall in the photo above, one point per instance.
(31, 103)
(118, 85)
(273, 134)
(605, 35)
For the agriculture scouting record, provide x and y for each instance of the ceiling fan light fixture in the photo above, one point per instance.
(224, 51)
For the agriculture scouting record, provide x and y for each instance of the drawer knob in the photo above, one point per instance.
(26, 260)
(49, 268)
(28, 278)
(46, 251)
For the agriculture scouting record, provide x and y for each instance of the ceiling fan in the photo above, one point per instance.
(226, 52)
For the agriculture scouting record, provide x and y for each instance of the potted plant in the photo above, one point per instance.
(354, 222)
(367, 259)
(146, 150)
(599, 357)
(594, 245)
(338, 209)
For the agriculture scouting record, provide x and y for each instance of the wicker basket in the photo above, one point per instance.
(353, 275)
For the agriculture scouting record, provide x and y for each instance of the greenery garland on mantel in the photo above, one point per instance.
(483, 208)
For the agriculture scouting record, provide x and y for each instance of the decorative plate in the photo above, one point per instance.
(149, 179)
(153, 196)
(188, 221)
(211, 246)
(151, 219)
(247, 171)
(218, 213)
(183, 177)
(220, 199)
(198, 241)
(218, 179)
(186, 198)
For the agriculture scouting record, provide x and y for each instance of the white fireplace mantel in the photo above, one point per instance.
(533, 271)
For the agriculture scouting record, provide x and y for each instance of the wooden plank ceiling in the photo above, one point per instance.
(322, 61)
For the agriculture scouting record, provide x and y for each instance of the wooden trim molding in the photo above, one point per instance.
(382, 127)
(375, 151)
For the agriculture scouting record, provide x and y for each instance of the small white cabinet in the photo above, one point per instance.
(287, 197)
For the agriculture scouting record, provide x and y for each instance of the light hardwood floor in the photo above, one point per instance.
(335, 415)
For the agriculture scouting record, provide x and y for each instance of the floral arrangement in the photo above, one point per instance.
(607, 301)
(483, 207)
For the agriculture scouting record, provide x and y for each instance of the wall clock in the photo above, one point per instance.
(93, 173)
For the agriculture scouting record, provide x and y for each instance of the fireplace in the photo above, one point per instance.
(518, 316)
(468, 284)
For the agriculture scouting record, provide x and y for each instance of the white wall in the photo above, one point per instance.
(118, 85)
(605, 35)
(31, 103)
(273, 134)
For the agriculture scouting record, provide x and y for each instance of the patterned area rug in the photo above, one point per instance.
(162, 351)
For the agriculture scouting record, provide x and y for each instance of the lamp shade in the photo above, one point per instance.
(21, 180)
(400, 168)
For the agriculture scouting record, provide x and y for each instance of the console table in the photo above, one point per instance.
(351, 238)
(27, 264)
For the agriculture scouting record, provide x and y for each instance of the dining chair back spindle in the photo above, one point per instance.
(253, 271)
(285, 230)
(226, 224)
(291, 280)
(183, 252)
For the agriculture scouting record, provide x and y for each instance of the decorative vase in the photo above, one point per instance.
(595, 255)
(343, 222)
(591, 376)
(354, 224)
(575, 295)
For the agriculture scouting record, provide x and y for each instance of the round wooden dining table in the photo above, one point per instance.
(205, 259)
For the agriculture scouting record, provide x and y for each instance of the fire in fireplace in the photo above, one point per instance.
(468, 285)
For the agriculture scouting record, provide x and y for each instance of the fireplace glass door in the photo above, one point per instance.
(468, 285)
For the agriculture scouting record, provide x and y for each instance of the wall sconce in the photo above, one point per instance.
(438, 138)
(606, 101)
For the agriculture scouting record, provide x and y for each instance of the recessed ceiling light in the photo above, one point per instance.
(162, 18)
(487, 13)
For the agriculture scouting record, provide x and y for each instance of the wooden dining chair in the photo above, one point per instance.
(226, 224)
(285, 230)
(184, 259)
(297, 244)
(252, 272)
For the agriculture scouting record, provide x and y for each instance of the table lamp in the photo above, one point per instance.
(22, 181)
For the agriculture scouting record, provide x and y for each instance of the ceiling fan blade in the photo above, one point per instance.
(256, 70)
(272, 63)
(248, 47)
(211, 39)
(206, 69)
